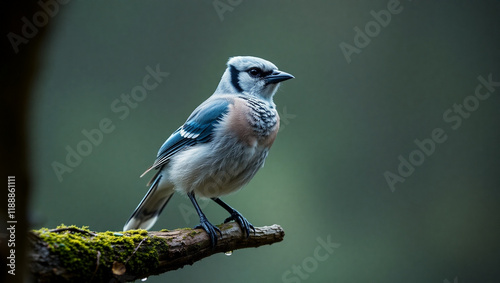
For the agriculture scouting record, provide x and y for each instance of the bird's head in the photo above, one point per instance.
(253, 76)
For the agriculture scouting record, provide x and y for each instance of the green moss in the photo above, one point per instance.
(193, 233)
(190, 234)
(77, 248)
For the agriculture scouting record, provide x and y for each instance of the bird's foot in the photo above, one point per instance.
(242, 221)
(210, 229)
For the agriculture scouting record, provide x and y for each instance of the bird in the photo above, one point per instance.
(220, 147)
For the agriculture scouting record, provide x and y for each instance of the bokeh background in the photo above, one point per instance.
(343, 125)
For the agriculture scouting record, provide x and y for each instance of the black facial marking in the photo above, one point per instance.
(234, 78)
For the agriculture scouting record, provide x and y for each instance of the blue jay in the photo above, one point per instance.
(220, 147)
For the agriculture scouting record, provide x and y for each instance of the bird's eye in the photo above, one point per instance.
(255, 72)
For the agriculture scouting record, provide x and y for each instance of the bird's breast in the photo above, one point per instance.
(253, 122)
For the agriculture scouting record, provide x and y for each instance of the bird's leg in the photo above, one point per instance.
(204, 223)
(236, 216)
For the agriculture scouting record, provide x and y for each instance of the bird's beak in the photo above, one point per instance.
(278, 76)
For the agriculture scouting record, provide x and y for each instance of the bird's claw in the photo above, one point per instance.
(242, 221)
(210, 229)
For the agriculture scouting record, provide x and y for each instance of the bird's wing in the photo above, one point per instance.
(197, 129)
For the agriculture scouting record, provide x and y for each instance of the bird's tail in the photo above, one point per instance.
(150, 207)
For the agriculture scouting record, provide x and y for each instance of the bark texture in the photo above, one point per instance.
(77, 254)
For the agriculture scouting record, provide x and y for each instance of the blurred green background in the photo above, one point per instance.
(343, 125)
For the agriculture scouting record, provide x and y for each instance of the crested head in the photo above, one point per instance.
(253, 76)
(246, 62)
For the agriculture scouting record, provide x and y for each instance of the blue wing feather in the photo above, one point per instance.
(197, 129)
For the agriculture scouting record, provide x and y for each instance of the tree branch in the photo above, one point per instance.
(77, 254)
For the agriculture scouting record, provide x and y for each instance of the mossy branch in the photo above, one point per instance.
(69, 253)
